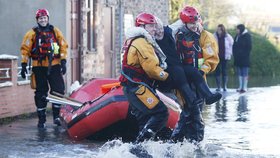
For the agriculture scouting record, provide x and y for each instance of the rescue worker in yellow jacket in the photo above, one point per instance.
(141, 67)
(47, 48)
(198, 52)
(183, 75)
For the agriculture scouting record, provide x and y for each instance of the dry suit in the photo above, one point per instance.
(199, 55)
(190, 125)
(140, 69)
(47, 49)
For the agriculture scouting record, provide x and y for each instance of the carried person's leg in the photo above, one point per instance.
(56, 85)
(195, 77)
(180, 82)
(40, 92)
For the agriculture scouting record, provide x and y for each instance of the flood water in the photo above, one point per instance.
(239, 125)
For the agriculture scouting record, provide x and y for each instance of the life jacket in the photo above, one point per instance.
(134, 73)
(189, 49)
(43, 44)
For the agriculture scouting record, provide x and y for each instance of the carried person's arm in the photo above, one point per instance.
(175, 27)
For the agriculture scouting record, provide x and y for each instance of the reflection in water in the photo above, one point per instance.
(41, 135)
(221, 111)
(55, 133)
(242, 109)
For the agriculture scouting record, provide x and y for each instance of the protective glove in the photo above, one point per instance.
(23, 70)
(63, 66)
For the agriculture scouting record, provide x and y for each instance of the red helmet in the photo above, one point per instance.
(145, 18)
(189, 15)
(42, 12)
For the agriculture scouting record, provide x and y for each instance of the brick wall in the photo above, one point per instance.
(93, 64)
(16, 97)
(4, 76)
(16, 100)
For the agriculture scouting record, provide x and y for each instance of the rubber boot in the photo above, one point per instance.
(42, 118)
(195, 133)
(145, 134)
(244, 85)
(41, 110)
(240, 79)
(190, 125)
(210, 98)
(225, 81)
(218, 82)
(181, 128)
(55, 110)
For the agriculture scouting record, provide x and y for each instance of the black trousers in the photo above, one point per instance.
(221, 68)
(154, 119)
(181, 75)
(193, 75)
(190, 125)
(178, 78)
(44, 82)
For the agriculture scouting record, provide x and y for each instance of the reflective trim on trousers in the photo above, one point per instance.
(41, 109)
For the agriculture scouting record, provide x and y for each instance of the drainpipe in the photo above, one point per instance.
(121, 9)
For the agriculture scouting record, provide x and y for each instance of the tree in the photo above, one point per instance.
(213, 12)
(175, 6)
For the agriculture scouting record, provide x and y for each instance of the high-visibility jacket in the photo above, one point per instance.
(206, 47)
(29, 46)
(140, 56)
(210, 52)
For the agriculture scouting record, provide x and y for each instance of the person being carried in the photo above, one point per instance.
(167, 44)
(47, 48)
(185, 74)
(141, 67)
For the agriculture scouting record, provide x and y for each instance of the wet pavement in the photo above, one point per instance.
(239, 125)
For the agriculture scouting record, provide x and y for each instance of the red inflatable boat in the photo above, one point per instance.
(108, 115)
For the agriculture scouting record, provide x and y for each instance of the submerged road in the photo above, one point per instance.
(239, 125)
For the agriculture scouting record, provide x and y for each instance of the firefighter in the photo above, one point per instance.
(47, 48)
(141, 67)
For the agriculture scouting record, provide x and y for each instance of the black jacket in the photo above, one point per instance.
(242, 47)
(168, 46)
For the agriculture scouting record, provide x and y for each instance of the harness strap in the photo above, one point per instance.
(37, 51)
